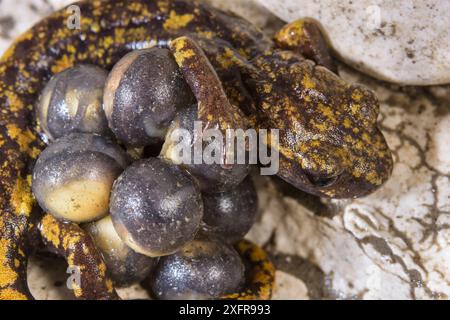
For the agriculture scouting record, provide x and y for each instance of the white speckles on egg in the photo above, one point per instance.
(73, 177)
(158, 205)
(203, 269)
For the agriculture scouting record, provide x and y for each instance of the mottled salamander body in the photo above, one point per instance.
(329, 142)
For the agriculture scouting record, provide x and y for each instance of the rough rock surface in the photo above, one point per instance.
(405, 42)
(393, 244)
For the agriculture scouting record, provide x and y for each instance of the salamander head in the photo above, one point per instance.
(330, 144)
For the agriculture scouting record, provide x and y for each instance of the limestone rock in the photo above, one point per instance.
(406, 42)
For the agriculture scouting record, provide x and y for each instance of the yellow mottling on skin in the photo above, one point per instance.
(162, 5)
(357, 172)
(303, 147)
(307, 82)
(357, 96)
(347, 123)
(23, 138)
(354, 107)
(7, 275)
(267, 88)
(92, 48)
(257, 255)
(86, 24)
(327, 112)
(292, 34)
(21, 199)
(315, 143)
(320, 126)
(181, 53)
(348, 138)
(265, 105)
(108, 42)
(226, 60)
(68, 241)
(140, 33)
(233, 296)
(29, 179)
(97, 4)
(102, 269)
(135, 7)
(11, 294)
(34, 152)
(373, 178)
(244, 52)
(264, 273)
(17, 263)
(366, 138)
(359, 145)
(77, 291)
(51, 230)
(176, 21)
(71, 256)
(206, 34)
(60, 33)
(15, 104)
(119, 35)
(61, 64)
(71, 48)
(330, 193)
(318, 161)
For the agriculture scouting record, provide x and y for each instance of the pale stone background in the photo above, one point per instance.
(403, 41)
(393, 244)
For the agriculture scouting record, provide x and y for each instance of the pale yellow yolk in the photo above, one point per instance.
(107, 239)
(80, 201)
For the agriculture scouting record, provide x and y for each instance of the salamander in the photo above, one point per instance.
(329, 145)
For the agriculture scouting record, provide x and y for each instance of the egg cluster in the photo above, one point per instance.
(109, 167)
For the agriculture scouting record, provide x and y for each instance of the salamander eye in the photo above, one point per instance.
(73, 177)
(142, 93)
(156, 208)
(322, 181)
(203, 269)
(72, 101)
(212, 178)
(231, 214)
(124, 266)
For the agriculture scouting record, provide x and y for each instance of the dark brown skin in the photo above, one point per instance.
(330, 144)
(71, 242)
(238, 52)
(214, 108)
